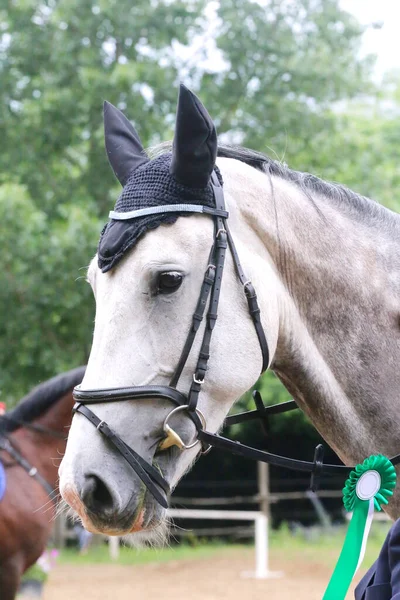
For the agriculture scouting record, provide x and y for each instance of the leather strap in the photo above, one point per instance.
(220, 246)
(129, 393)
(7, 446)
(250, 415)
(252, 302)
(139, 392)
(167, 208)
(148, 474)
(197, 318)
(294, 464)
(273, 459)
(212, 315)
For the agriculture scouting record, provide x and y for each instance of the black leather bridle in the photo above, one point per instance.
(209, 294)
(8, 445)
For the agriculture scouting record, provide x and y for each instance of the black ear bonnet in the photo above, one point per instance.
(150, 185)
(180, 177)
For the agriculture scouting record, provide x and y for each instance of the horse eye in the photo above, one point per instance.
(169, 282)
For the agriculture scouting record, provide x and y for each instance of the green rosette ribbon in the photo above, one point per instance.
(369, 486)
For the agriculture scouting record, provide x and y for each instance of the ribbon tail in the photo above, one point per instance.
(352, 552)
(370, 516)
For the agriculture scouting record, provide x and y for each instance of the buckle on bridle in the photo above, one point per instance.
(199, 381)
(318, 465)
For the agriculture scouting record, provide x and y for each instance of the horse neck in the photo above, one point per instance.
(338, 346)
(42, 450)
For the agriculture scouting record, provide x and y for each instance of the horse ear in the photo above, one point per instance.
(195, 142)
(125, 152)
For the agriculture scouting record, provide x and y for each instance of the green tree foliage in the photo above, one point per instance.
(362, 150)
(275, 73)
(59, 61)
(46, 307)
(288, 61)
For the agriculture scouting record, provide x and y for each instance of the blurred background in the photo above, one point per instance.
(314, 83)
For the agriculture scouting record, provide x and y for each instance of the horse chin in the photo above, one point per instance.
(148, 527)
(145, 521)
(156, 535)
(149, 524)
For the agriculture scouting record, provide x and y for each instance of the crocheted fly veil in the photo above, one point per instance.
(174, 181)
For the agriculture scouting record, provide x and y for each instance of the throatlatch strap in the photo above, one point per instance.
(252, 302)
(146, 472)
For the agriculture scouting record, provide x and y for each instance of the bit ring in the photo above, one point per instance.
(179, 409)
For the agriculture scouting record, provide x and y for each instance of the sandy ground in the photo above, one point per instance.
(217, 578)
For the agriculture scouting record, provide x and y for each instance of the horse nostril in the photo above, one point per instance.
(96, 495)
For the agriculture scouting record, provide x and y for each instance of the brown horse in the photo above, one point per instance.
(32, 439)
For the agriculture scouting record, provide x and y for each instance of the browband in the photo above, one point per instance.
(167, 208)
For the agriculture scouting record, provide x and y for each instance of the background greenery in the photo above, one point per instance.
(285, 78)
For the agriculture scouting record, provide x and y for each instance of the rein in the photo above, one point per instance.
(7, 445)
(209, 293)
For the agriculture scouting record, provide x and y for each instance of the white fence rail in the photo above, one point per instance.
(260, 532)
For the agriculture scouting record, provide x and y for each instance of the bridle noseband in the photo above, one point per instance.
(209, 295)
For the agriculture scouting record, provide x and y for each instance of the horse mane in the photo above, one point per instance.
(351, 202)
(337, 192)
(41, 398)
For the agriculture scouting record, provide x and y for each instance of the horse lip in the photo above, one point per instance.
(116, 524)
(138, 524)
